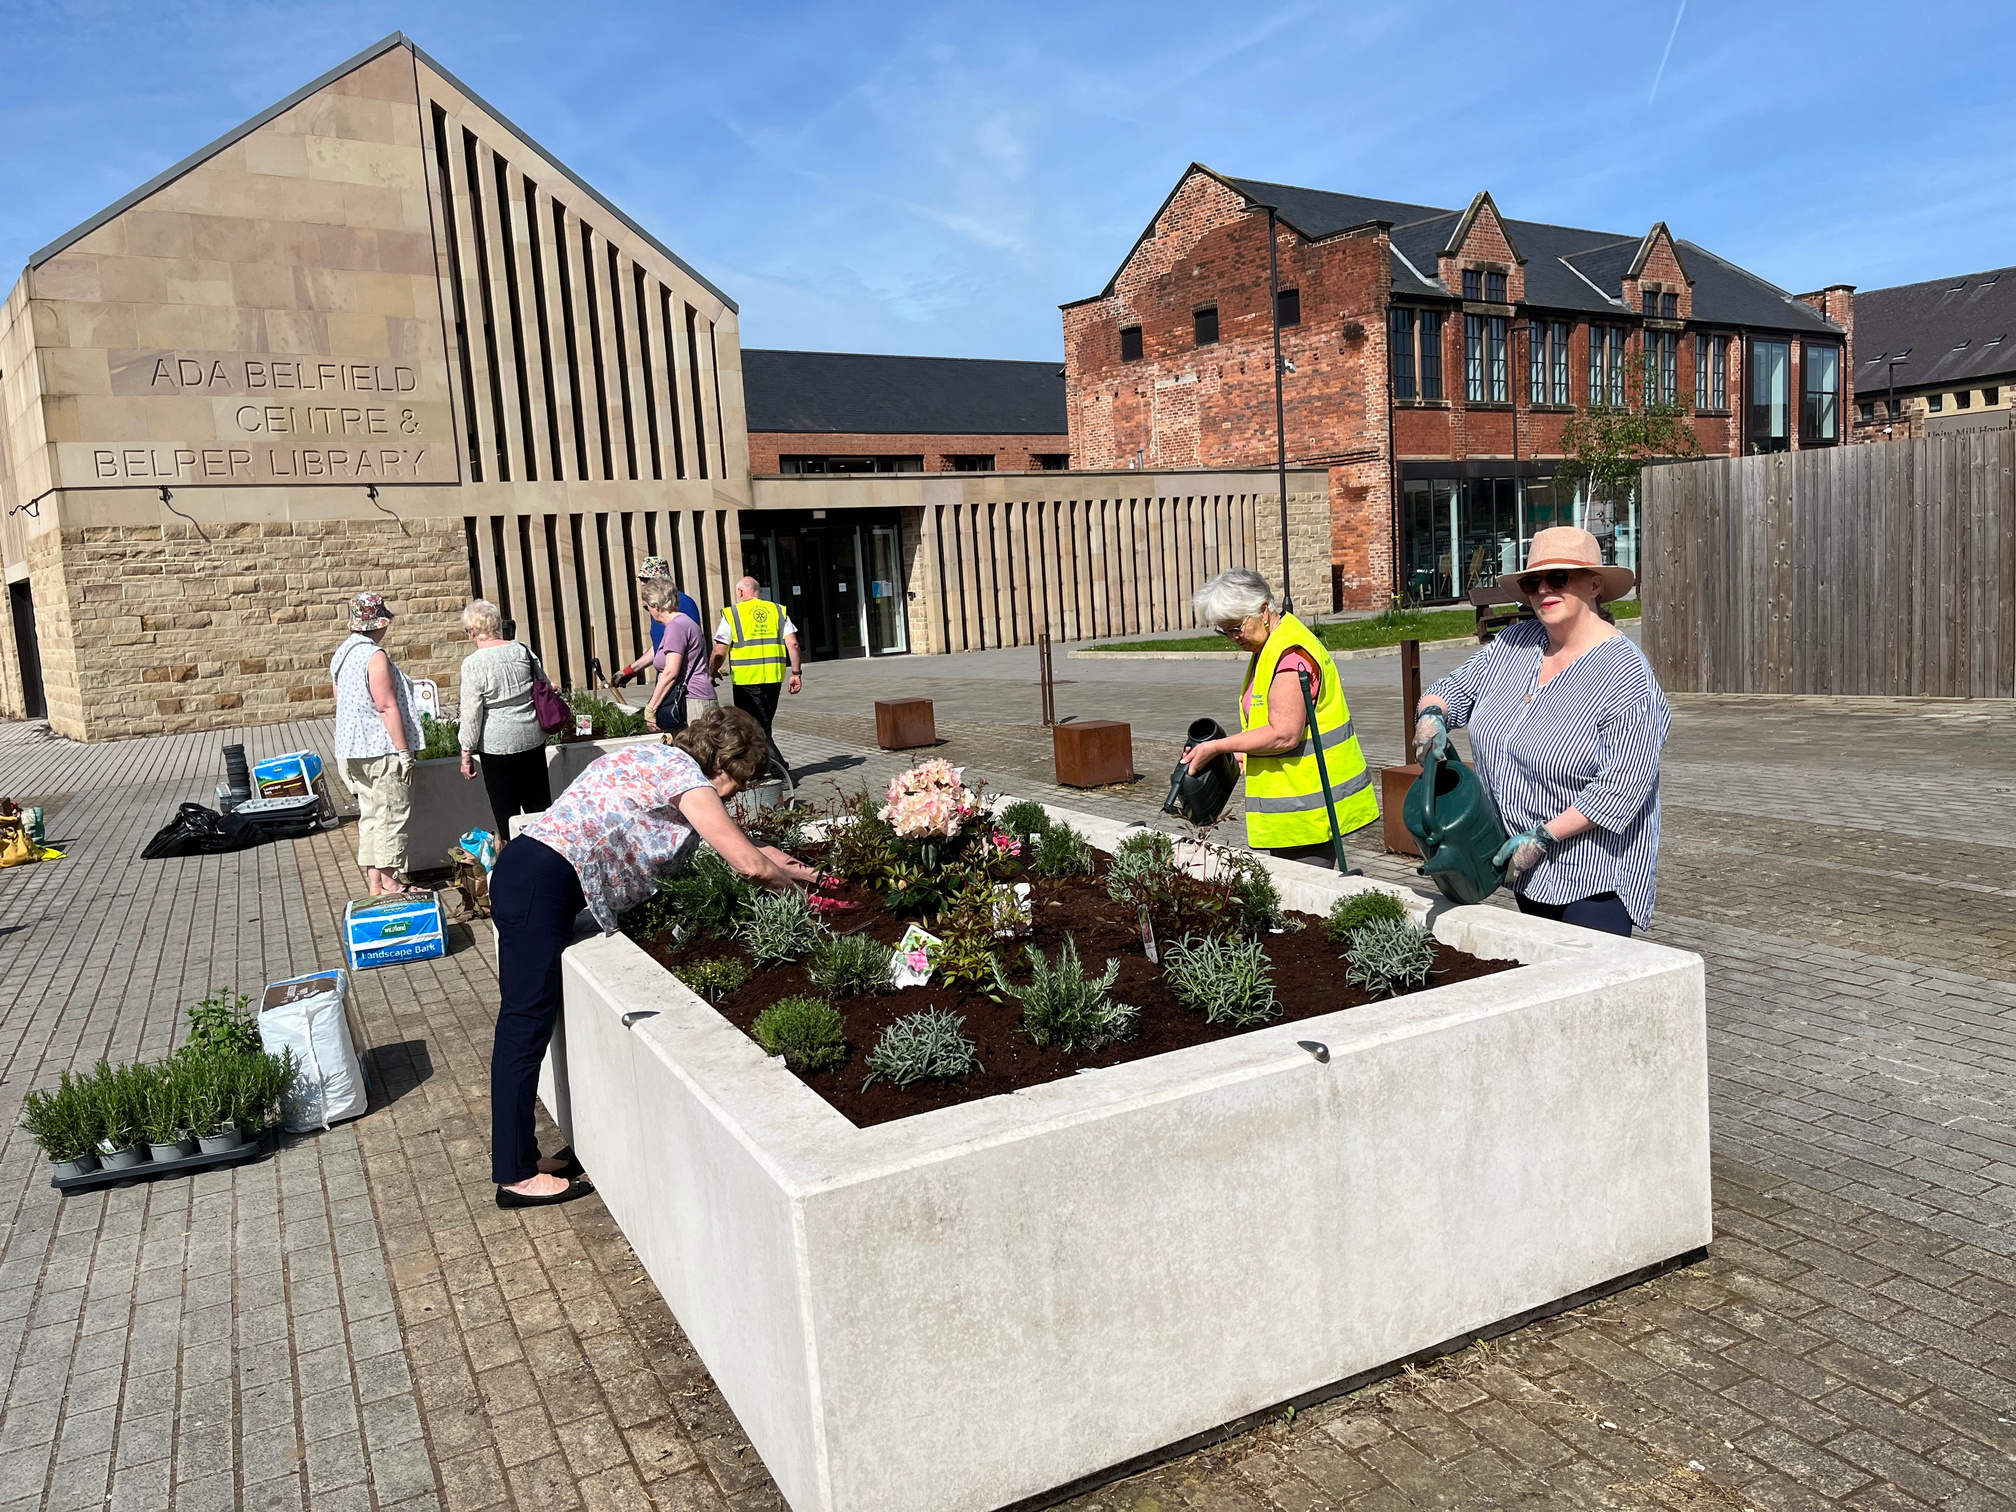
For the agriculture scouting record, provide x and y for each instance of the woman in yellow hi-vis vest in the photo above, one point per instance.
(1285, 811)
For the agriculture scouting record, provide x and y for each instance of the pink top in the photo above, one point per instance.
(684, 637)
(619, 824)
(1294, 659)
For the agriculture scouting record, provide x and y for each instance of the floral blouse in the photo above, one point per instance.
(619, 824)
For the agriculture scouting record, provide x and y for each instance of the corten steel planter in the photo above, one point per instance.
(1394, 783)
(903, 724)
(987, 1302)
(1093, 752)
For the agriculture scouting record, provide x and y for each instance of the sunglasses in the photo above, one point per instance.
(1556, 580)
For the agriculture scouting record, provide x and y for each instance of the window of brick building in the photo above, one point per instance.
(1669, 306)
(1991, 396)
(1606, 364)
(1130, 343)
(1866, 411)
(1820, 415)
(1288, 307)
(1486, 379)
(1051, 461)
(1473, 284)
(1547, 363)
(1649, 300)
(1711, 372)
(1494, 288)
(1770, 396)
(1962, 398)
(1415, 337)
(1934, 403)
(850, 464)
(1206, 323)
(1893, 407)
(1662, 367)
(971, 461)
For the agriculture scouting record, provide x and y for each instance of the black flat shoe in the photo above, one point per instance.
(570, 1164)
(506, 1198)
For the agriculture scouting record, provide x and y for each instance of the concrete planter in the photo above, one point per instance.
(446, 805)
(987, 1302)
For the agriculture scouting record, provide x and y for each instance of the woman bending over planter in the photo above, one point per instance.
(630, 817)
(1566, 722)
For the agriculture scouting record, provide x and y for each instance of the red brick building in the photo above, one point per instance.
(1430, 359)
(848, 412)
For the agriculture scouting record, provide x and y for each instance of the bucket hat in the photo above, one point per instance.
(368, 612)
(1571, 546)
(653, 567)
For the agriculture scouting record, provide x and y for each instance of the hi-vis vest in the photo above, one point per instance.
(1284, 794)
(755, 641)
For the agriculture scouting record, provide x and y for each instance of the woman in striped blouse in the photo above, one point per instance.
(1566, 724)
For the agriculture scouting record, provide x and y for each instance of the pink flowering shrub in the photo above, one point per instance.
(929, 802)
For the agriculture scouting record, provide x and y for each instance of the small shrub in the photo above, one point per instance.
(1256, 901)
(166, 1117)
(783, 825)
(1142, 872)
(706, 898)
(1360, 909)
(777, 927)
(1025, 817)
(715, 977)
(1064, 1007)
(222, 1024)
(861, 845)
(919, 1045)
(1388, 955)
(118, 1096)
(439, 737)
(266, 1079)
(1060, 851)
(610, 719)
(209, 1094)
(965, 953)
(850, 964)
(806, 1031)
(1229, 981)
(63, 1122)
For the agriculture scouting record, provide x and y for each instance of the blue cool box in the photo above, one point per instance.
(381, 931)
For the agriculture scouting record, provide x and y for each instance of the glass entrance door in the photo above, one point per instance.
(888, 622)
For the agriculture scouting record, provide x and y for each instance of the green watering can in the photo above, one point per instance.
(1450, 813)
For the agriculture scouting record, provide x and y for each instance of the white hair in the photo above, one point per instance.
(481, 617)
(1233, 595)
(659, 593)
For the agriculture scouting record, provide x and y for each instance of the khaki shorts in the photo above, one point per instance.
(384, 804)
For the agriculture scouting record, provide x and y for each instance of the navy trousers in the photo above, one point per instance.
(1604, 911)
(534, 899)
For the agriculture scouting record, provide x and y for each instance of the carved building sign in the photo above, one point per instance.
(279, 420)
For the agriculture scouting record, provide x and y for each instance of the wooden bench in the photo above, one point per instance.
(1498, 604)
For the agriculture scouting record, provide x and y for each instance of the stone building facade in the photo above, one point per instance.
(374, 338)
(1431, 359)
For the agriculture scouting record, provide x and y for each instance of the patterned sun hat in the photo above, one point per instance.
(653, 567)
(368, 612)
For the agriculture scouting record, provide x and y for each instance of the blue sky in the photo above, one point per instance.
(938, 178)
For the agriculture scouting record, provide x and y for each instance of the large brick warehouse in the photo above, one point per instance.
(1431, 357)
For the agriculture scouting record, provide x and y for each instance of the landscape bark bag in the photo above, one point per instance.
(305, 1015)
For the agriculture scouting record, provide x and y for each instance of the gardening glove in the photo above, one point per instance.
(1431, 736)
(627, 676)
(1524, 850)
(405, 764)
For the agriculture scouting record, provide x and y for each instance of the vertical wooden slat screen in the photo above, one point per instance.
(1887, 569)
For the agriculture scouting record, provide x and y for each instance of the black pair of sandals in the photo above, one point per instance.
(578, 1185)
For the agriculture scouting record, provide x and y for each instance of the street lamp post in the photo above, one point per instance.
(1280, 424)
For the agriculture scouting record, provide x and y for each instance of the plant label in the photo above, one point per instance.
(584, 724)
(911, 962)
(1148, 935)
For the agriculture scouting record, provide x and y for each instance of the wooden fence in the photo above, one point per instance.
(1884, 569)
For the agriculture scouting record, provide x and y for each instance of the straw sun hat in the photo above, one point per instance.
(1570, 546)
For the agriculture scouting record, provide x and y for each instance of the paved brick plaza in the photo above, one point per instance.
(354, 1325)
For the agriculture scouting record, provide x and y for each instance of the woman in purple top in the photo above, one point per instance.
(681, 659)
(632, 816)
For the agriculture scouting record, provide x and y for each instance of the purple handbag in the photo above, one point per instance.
(548, 707)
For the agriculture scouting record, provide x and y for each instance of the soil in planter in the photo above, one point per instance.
(1308, 981)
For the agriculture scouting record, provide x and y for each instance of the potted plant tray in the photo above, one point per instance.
(148, 1170)
(990, 1301)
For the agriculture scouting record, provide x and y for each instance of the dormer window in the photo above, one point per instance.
(1669, 306)
(1494, 288)
(1649, 301)
(1473, 284)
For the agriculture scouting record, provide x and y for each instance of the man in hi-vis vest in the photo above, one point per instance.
(758, 643)
(1285, 809)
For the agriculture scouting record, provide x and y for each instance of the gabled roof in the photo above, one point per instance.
(1454, 246)
(244, 129)
(852, 392)
(1956, 329)
(1652, 240)
(1567, 268)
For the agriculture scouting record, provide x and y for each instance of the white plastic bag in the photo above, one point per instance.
(305, 1015)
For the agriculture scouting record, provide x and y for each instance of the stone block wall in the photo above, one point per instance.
(167, 632)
